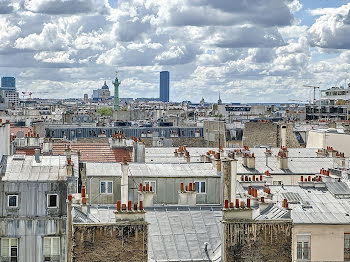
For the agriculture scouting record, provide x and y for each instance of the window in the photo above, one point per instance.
(151, 184)
(51, 249)
(200, 187)
(106, 187)
(303, 248)
(347, 246)
(9, 249)
(12, 201)
(52, 201)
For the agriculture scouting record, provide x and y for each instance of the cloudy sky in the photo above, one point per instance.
(248, 50)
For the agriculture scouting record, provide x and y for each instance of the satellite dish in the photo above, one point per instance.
(20, 134)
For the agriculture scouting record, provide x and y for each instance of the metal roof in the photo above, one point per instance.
(176, 233)
(338, 189)
(27, 169)
(153, 170)
(323, 207)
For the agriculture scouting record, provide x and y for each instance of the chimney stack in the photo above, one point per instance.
(124, 186)
(284, 136)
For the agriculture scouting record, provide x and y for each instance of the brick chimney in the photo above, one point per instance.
(124, 184)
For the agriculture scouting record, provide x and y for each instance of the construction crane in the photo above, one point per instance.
(314, 87)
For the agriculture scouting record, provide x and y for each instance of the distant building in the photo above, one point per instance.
(8, 82)
(164, 86)
(101, 94)
(9, 95)
(86, 98)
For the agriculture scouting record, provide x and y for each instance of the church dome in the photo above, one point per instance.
(105, 86)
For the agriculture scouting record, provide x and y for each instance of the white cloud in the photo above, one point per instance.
(332, 29)
(248, 50)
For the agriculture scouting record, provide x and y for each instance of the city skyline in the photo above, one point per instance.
(257, 52)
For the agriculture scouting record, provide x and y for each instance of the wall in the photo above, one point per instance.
(257, 241)
(32, 220)
(4, 139)
(166, 189)
(267, 134)
(110, 242)
(327, 241)
(340, 142)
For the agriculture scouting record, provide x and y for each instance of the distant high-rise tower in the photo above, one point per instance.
(8, 82)
(164, 86)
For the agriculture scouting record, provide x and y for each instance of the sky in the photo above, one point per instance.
(248, 50)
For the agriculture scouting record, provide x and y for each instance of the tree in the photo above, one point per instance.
(105, 111)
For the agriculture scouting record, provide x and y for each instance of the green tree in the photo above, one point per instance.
(105, 111)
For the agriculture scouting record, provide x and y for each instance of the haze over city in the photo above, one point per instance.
(246, 50)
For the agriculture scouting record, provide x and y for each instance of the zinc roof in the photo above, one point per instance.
(25, 168)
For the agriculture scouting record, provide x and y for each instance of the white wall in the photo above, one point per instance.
(340, 142)
(4, 139)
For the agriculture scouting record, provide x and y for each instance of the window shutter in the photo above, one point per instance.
(47, 246)
(5, 247)
(55, 246)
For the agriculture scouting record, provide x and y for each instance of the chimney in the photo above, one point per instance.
(37, 155)
(146, 196)
(284, 136)
(47, 146)
(117, 140)
(124, 186)
(187, 195)
(229, 177)
(187, 156)
(251, 161)
(283, 158)
(217, 162)
(141, 152)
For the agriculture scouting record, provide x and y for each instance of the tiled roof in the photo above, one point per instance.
(95, 152)
(25, 151)
(25, 130)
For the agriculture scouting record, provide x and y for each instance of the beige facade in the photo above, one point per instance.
(322, 139)
(326, 241)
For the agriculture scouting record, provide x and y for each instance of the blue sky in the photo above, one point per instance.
(249, 51)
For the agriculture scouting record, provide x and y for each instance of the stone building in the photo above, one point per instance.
(268, 134)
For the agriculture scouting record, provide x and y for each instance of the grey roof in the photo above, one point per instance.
(180, 233)
(322, 208)
(176, 233)
(152, 170)
(25, 168)
(296, 165)
(338, 189)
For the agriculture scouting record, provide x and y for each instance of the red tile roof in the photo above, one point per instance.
(95, 152)
(25, 151)
(25, 130)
